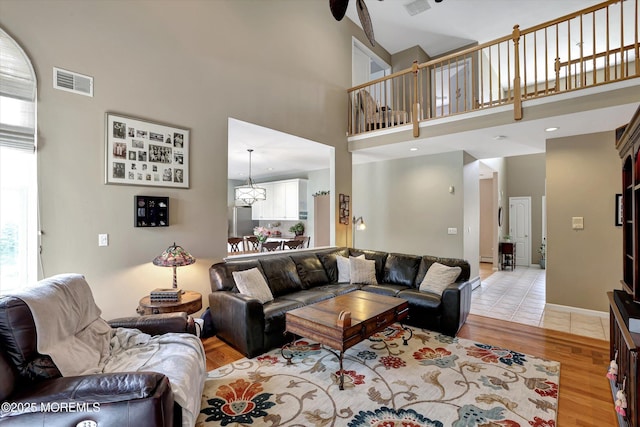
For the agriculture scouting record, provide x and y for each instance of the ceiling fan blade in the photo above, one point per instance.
(365, 20)
(338, 8)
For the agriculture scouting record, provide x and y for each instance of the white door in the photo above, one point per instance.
(520, 228)
(360, 67)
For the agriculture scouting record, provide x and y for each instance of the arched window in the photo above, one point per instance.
(18, 168)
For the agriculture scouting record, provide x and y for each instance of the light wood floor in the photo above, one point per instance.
(585, 399)
(486, 270)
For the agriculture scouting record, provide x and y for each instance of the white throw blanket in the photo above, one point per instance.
(67, 319)
(71, 331)
(180, 357)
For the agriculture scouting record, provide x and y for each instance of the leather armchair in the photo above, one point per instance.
(33, 392)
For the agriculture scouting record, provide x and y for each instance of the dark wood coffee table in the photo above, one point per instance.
(370, 313)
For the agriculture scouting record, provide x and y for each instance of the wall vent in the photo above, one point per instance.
(417, 6)
(72, 82)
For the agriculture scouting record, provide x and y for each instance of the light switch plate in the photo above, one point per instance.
(452, 230)
(577, 223)
(103, 240)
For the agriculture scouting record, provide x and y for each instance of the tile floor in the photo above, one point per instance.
(519, 296)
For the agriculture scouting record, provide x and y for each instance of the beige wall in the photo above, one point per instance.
(404, 59)
(526, 178)
(487, 219)
(499, 166)
(583, 177)
(407, 206)
(471, 228)
(281, 64)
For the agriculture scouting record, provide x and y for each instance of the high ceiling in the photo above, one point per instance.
(445, 26)
(452, 24)
(275, 154)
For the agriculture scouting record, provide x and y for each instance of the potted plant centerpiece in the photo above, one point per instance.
(262, 233)
(297, 229)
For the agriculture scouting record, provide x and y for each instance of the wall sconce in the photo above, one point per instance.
(359, 225)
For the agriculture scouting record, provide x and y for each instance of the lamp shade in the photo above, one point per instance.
(174, 256)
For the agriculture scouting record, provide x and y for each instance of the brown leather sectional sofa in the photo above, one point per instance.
(298, 278)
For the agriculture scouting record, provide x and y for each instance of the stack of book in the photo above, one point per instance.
(165, 295)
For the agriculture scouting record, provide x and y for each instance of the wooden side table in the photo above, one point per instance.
(190, 302)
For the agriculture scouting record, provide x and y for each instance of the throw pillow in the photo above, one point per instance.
(344, 271)
(252, 283)
(362, 270)
(438, 277)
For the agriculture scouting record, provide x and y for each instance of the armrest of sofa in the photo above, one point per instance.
(157, 324)
(123, 399)
(239, 320)
(456, 304)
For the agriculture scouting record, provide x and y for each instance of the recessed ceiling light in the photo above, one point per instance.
(413, 149)
(551, 129)
(499, 137)
(269, 169)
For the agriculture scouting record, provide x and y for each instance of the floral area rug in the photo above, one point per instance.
(435, 381)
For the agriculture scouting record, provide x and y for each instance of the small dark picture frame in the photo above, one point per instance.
(619, 210)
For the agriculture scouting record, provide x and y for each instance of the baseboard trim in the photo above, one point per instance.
(475, 282)
(577, 310)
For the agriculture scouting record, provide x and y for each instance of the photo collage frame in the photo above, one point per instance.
(139, 152)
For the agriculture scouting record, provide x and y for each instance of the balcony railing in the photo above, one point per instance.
(594, 46)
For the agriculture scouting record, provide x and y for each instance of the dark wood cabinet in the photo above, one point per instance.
(628, 145)
(507, 255)
(624, 349)
(625, 303)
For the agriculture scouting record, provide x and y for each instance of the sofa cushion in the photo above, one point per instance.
(281, 275)
(385, 289)
(344, 268)
(308, 296)
(274, 314)
(338, 289)
(377, 256)
(362, 271)
(438, 277)
(221, 274)
(465, 268)
(252, 283)
(310, 270)
(425, 263)
(401, 269)
(328, 260)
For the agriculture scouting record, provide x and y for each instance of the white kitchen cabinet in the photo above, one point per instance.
(286, 200)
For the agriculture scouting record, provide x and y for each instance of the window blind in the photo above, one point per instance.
(17, 96)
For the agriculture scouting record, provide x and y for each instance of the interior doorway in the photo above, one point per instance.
(366, 65)
(520, 228)
(490, 217)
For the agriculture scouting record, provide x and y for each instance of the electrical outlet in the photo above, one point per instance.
(452, 230)
(103, 240)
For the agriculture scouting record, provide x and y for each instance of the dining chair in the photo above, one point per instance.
(271, 246)
(251, 244)
(304, 239)
(234, 244)
(293, 244)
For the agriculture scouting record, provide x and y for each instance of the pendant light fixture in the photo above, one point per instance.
(250, 193)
